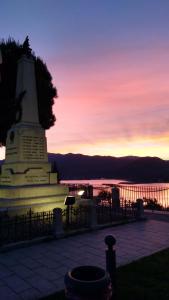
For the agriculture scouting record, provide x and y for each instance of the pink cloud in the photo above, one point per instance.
(119, 97)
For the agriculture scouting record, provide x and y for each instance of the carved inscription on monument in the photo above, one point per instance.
(37, 179)
(33, 147)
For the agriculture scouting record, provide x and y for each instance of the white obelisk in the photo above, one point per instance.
(26, 82)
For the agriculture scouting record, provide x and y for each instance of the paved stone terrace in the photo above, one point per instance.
(38, 270)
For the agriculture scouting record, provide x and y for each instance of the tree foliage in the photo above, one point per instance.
(46, 92)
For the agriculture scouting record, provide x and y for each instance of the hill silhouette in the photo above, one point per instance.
(132, 168)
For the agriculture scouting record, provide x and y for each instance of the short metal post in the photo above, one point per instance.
(30, 223)
(140, 208)
(110, 241)
(115, 197)
(90, 191)
(57, 222)
(92, 215)
(67, 215)
(125, 208)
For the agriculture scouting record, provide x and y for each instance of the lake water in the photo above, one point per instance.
(94, 182)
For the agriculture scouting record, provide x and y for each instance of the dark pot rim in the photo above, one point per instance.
(100, 283)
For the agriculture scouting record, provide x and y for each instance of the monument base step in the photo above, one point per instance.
(18, 200)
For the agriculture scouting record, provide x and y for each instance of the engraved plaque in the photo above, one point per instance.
(33, 147)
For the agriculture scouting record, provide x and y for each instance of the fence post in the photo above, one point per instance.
(115, 197)
(110, 241)
(92, 215)
(30, 223)
(88, 192)
(57, 222)
(140, 208)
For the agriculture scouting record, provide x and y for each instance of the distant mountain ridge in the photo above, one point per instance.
(132, 168)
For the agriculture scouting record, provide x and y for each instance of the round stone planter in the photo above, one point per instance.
(87, 283)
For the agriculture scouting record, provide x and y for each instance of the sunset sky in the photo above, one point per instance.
(109, 60)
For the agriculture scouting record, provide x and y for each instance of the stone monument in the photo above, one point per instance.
(26, 179)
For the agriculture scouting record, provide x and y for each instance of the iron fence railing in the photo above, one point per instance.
(107, 213)
(34, 225)
(75, 217)
(155, 197)
(25, 227)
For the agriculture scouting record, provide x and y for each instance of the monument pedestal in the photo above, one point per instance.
(26, 179)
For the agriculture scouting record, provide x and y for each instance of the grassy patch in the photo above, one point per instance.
(146, 279)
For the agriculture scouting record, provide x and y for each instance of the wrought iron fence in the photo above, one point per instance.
(106, 213)
(155, 197)
(25, 227)
(34, 225)
(75, 217)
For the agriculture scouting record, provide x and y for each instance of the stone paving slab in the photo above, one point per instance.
(38, 270)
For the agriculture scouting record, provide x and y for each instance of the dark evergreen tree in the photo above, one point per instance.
(46, 92)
